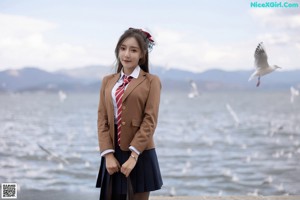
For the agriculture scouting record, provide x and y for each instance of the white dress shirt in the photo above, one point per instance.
(134, 74)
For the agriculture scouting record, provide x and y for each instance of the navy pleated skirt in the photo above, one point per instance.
(144, 177)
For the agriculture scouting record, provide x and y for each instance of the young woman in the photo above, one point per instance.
(127, 118)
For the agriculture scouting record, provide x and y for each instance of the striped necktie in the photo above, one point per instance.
(119, 94)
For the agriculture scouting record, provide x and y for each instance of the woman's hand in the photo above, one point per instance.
(128, 166)
(112, 164)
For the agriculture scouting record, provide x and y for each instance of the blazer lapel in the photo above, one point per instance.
(111, 83)
(133, 83)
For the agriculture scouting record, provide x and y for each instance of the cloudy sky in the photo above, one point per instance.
(195, 35)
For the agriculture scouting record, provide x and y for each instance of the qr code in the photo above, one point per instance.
(9, 190)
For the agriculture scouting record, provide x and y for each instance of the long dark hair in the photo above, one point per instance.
(143, 43)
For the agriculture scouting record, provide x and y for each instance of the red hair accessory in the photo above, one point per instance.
(148, 36)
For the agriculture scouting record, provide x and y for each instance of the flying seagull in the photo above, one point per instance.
(261, 63)
(233, 114)
(194, 90)
(294, 93)
(62, 96)
(53, 155)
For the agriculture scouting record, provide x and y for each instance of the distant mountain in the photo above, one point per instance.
(88, 74)
(211, 79)
(30, 78)
(219, 79)
(239, 79)
(88, 79)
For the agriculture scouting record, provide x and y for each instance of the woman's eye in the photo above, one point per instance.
(122, 48)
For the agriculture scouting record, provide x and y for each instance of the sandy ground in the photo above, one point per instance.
(228, 198)
(62, 195)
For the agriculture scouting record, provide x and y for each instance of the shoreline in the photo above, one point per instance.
(30, 194)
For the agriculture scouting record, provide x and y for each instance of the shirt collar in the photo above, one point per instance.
(134, 74)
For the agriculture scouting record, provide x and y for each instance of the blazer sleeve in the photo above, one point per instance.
(104, 139)
(149, 122)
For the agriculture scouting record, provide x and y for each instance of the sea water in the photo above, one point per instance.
(48, 143)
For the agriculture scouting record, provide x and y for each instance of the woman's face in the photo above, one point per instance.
(129, 54)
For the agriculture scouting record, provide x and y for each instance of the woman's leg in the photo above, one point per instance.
(118, 197)
(141, 196)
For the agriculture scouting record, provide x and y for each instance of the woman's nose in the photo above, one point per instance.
(127, 53)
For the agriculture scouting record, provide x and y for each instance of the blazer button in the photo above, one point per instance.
(123, 123)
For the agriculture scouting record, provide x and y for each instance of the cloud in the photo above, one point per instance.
(23, 43)
(26, 41)
(277, 19)
(282, 26)
(19, 26)
(185, 50)
(281, 34)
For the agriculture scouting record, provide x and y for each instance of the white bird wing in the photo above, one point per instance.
(294, 92)
(232, 113)
(260, 56)
(60, 159)
(194, 86)
(194, 89)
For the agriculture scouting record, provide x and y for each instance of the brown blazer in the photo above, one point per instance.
(139, 115)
